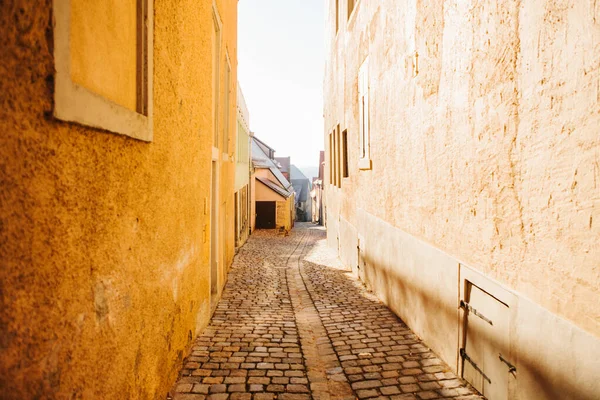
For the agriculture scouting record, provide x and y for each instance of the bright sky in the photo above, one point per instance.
(280, 70)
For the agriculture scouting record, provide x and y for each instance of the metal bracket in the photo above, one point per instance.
(465, 357)
(467, 307)
(511, 368)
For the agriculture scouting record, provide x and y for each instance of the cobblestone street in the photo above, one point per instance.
(294, 325)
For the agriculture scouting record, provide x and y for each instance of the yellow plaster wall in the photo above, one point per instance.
(103, 33)
(484, 137)
(104, 240)
(284, 213)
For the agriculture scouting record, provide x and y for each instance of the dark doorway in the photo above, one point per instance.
(265, 215)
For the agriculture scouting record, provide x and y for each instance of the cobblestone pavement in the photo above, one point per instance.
(294, 325)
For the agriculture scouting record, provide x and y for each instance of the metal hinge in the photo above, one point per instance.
(511, 368)
(465, 357)
(467, 307)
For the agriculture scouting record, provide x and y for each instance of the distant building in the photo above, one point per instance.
(302, 187)
(273, 205)
(317, 193)
(284, 166)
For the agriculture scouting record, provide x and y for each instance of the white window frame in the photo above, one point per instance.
(75, 103)
(364, 161)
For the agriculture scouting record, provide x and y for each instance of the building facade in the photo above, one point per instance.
(273, 200)
(317, 193)
(242, 172)
(302, 188)
(117, 170)
(461, 151)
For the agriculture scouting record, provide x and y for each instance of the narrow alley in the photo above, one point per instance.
(300, 200)
(293, 324)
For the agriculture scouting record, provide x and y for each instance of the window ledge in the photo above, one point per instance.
(75, 103)
(365, 164)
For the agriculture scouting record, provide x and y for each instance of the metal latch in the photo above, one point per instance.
(465, 357)
(467, 307)
(511, 368)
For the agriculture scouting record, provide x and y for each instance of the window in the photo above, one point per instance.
(216, 41)
(338, 157)
(227, 105)
(109, 86)
(330, 159)
(337, 16)
(364, 161)
(345, 154)
(334, 162)
(350, 7)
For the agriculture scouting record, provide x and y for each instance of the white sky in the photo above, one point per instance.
(280, 69)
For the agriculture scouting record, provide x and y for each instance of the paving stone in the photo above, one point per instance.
(411, 388)
(240, 396)
(263, 396)
(366, 384)
(184, 388)
(297, 388)
(218, 388)
(183, 396)
(389, 390)
(293, 396)
(275, 388)
(257, 388)
(200, 388)
(236, 388)
(365, 394)
(427, 395)
(235, 379)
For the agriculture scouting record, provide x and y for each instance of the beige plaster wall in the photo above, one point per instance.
(484, 150)
(555, 360)
(104, 239)
(484, 136)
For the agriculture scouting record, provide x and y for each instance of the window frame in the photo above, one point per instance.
(364, 123)
(331, 182)
(344, 143)
(338, 156)
(78, 104)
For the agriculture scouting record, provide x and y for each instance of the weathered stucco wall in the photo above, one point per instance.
(104, 240)
(486, 143)
(484, 148)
